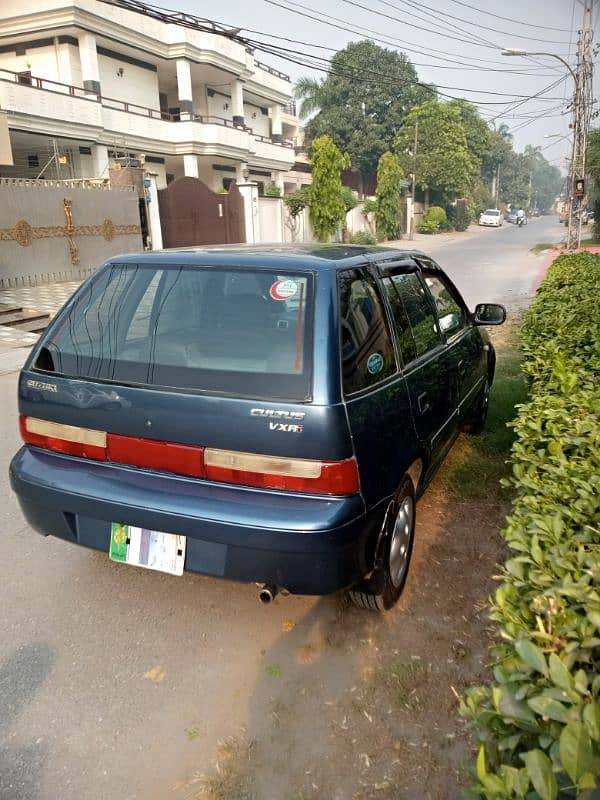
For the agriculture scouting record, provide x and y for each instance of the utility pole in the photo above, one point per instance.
(582, 109)
(411, 232)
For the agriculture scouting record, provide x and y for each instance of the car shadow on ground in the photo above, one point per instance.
(353, 704)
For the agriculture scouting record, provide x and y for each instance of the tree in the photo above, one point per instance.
(326, 199)
(362, 101)
(387, 208)
(309, 92)
(477, 130)
(443, 161)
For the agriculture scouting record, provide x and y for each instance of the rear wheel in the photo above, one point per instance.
(384, 587)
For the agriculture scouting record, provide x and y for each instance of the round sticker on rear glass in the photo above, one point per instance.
(283, 290)
(375, 363)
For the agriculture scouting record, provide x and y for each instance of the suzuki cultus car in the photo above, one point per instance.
(263, 415)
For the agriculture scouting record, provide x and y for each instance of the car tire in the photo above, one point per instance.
(385, 585)
(476, 422)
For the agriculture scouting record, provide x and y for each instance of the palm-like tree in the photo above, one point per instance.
(310, 92)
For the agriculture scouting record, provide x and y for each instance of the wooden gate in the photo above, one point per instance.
(190, 214)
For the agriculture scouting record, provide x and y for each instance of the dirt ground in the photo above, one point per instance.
(352, 705)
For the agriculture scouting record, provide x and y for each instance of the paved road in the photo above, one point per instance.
(116, 683)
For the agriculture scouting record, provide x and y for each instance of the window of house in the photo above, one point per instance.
(367, 350)
(33, 161)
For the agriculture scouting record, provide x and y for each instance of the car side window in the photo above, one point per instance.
(403, 332)
(451, 312)
(367, 351)
(419, 312)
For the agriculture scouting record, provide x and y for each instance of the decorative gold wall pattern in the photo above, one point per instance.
(24, 234)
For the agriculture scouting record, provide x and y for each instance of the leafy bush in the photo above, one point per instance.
(427, 227)
(296, 201)
(539, 723)
(459, 217)
(326, 197)
(362, 237)
(272, 190)
(369, 206)
(436, 215)
(387, 204)
(349, 198)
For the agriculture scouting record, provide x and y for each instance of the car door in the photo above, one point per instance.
(427, 368)
(374, 390)
(464, 345)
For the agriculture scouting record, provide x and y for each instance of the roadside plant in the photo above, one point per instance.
(387, 204)
(295, 202)
(326, 197)
(272, 190)
(362, 237)
(538, 724)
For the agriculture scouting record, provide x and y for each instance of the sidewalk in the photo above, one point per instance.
(48, 298)
(429, 242)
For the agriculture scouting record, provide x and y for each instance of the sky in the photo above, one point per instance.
(452, 43)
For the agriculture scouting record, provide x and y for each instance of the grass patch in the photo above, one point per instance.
(399, 680)
(476, 464)
(541, 246)
(230, 780)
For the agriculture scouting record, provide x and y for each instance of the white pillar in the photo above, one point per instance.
(100, 161)
(410, 216)
(241, 173)
(276, 124)
(249, 192)
(237, 101)
(277, 178)
(190, 165)
(184, 86)
(63, 63)
(88, 56)
(153, 213)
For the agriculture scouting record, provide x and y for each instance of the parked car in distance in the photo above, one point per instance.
(262, 414)
(512, 217)
(492, 216)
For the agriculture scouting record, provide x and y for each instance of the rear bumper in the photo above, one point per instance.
(306, 544)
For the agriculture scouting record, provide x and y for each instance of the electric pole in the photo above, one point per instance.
(582, 109)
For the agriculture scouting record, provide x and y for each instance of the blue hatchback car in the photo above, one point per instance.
(265, 415)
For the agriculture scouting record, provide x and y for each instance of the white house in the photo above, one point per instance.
(83, 82)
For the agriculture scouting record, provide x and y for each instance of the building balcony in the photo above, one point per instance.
(52, 108)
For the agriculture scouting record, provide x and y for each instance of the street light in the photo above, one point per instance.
(573, 198)
(513, 51)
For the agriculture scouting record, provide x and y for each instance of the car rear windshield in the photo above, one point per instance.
(235, 331)
(491, 213)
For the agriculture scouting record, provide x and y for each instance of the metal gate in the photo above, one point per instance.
(190, 214)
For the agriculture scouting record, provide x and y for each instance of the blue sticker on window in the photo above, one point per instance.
(375, 363)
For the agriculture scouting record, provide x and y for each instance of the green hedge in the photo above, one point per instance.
(538, 724)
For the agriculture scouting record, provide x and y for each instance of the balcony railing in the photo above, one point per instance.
(272, 71)
(268, 140)
(43, 84)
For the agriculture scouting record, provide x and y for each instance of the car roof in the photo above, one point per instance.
(296, 256)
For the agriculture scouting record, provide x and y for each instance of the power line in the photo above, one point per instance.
(505, 19)
(309, 13)
(415, 4)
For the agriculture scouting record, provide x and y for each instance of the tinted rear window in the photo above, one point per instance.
(231, 331)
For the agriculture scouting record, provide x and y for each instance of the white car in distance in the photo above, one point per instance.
(492, 216)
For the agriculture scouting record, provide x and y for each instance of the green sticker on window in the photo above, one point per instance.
(375, 363)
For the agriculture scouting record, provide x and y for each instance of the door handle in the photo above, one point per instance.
(423, 403)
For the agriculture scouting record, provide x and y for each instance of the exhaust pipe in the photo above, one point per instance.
(268, 593)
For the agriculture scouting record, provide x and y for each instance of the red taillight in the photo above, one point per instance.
(182, 459)
(225, 466)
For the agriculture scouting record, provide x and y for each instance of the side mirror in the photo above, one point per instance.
(489, 314)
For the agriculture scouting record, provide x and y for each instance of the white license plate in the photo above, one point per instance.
(141, 547)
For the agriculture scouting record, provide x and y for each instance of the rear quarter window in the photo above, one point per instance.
(234, 331)
(366, 347)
